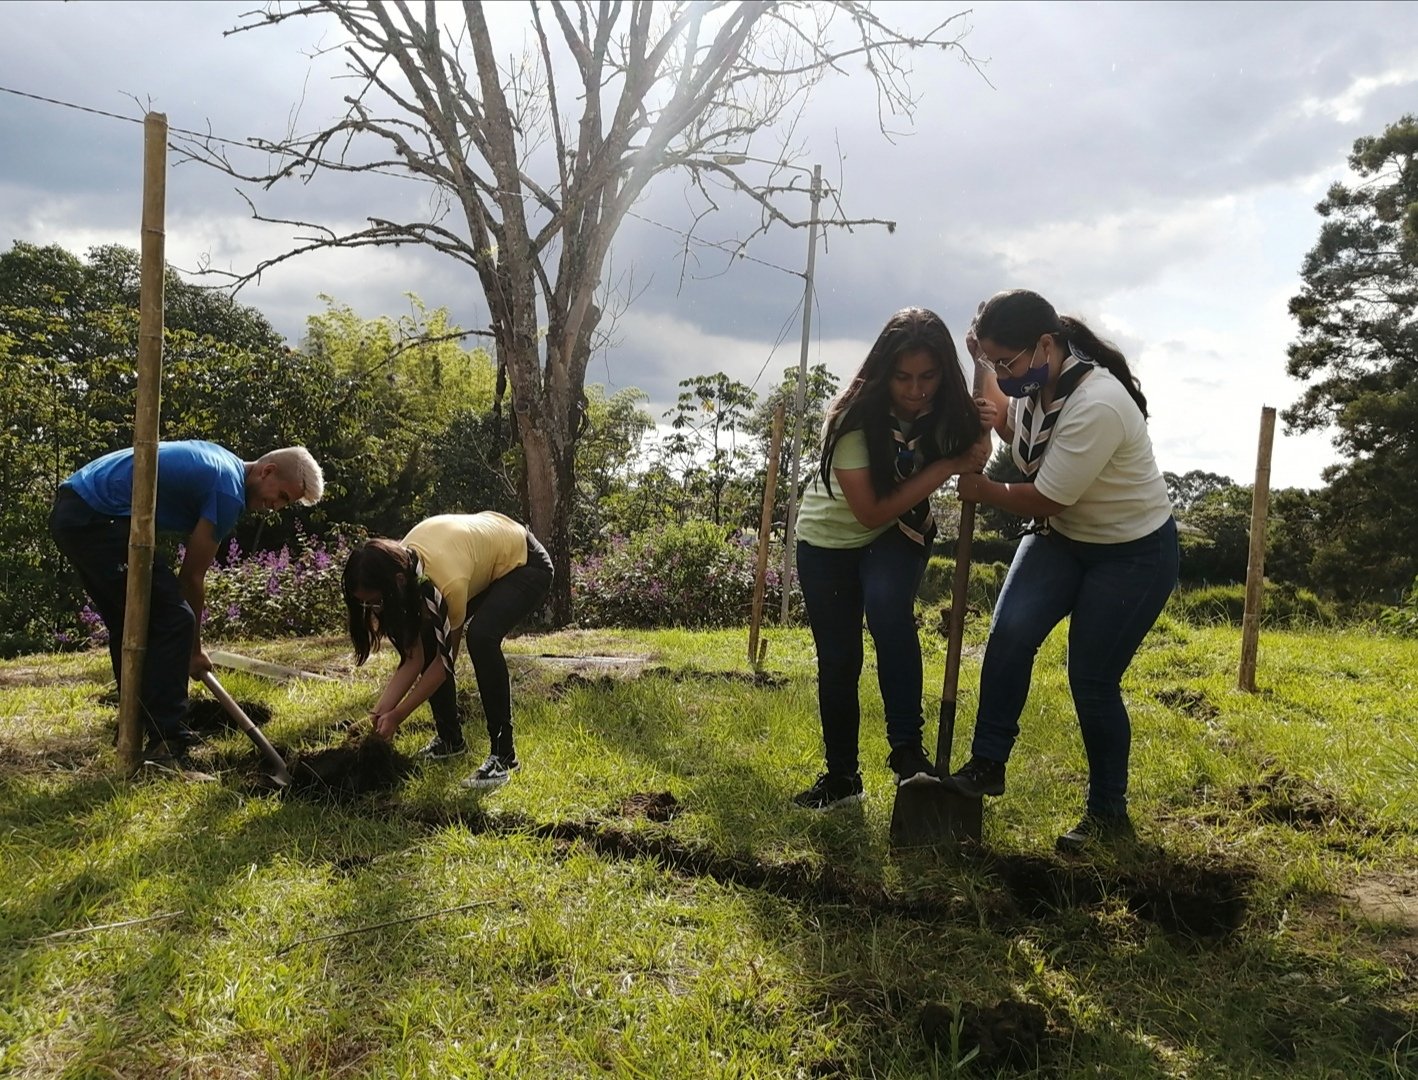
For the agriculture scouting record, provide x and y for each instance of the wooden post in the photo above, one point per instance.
(141, 531)
(1255, 564)
(765, 532)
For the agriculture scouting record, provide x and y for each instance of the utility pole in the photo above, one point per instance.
(800, 400)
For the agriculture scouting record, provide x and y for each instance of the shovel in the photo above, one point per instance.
(928, 814)
(279, 773)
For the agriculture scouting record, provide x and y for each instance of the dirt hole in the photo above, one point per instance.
(749, 678)
(362, 765)
(1291, 800)
(1187, 700)
(1013, 1035)
(654, 805)
(204, 714)
(1193, 899)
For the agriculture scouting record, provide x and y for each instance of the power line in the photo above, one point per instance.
(248, 144)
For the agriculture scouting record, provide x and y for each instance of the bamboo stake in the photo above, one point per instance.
(141, 529)
(765, 531)
(1255, 563)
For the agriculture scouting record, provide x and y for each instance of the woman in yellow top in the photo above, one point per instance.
(474, 576)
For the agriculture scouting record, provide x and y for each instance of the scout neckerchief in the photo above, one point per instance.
(437, 610)
(1034, 425)
(918, 522)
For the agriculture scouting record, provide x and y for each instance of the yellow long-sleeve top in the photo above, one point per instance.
(465, 553)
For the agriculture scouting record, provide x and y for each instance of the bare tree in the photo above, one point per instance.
(532, 177)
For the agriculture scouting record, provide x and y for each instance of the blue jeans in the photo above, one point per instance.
(1113, 593)
(839, 586)
(97, 546)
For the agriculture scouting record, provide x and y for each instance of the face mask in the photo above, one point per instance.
(1028, 383)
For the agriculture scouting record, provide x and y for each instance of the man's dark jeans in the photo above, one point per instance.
(97, 545)
(839, 586)
(492, 614)
(1112, 594)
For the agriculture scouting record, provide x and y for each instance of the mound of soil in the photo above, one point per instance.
(1291, 800)
(654, 805)
(1184, 699)
(361, 766)
(751, 678)
(1008, 1035)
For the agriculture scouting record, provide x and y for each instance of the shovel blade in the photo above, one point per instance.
(928, 815)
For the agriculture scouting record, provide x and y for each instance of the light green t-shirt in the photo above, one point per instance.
(826, 520)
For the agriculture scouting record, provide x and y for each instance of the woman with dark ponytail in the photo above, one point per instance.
(903, 426)
(1102, 549)
(472, 576)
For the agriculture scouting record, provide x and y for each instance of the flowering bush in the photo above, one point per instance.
(278, 593)
(679, 575)
(263, 594)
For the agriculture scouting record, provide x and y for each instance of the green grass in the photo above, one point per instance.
(742, 938)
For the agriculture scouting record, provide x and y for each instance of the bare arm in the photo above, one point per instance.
(871, 510)
(411, 686)
(1023, 499)
(192, 581)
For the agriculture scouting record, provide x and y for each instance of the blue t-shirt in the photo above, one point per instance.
(196, 480)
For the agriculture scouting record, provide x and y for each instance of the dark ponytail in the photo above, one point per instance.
(1076, 333)
(1018, 318)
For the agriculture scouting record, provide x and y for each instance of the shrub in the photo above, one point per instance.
(986, 580)
(1282, 604)
(278, 593)
(680, 575)
(1403, 618)
(263, 594)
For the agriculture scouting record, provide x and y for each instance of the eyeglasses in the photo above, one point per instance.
(1004, 367)
(376, 607)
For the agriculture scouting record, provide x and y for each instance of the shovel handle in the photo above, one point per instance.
(955, 628)
(278, 764)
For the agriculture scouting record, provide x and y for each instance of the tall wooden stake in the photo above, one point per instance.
(141, 531)
(1255, 564)
(765, 532)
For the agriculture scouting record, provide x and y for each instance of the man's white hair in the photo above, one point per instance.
(296, 465)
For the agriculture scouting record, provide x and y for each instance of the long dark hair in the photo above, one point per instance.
(1018, 318)
(866, 401)
(403, 617)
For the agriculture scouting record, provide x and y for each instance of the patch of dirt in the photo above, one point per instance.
(1009, 1035)
(1186, 700)
(750, 678)
(1393, 1033)
(205, 714)
(1291, 800)
(361, 766)
(1391, 899)
(1191, 899)
(654, 805)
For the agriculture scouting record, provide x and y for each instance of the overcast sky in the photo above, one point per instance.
(1152, 168)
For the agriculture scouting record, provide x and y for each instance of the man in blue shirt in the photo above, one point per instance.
(202, 489)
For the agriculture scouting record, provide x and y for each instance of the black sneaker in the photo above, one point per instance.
(1095, 828)
(831, 789)
(493, 773)
(438, 750)
(978, 776)
(911, 765)
(168, 753)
